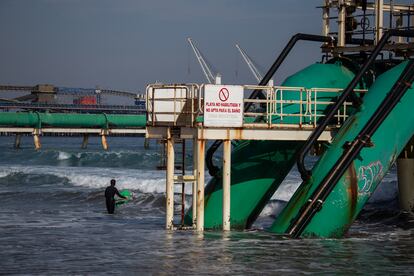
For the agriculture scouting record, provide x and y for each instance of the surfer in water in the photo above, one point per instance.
(110, 193)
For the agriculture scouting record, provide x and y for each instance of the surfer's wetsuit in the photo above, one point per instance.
(110, 193)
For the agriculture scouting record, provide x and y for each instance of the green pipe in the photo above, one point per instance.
(361, 179)
(37, 120)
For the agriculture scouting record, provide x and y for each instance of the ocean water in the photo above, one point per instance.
(53, 221)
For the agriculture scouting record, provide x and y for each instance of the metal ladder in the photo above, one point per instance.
(180, 176)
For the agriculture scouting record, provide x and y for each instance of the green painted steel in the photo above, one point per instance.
(361, 179)
(258, 167)
(38, 120)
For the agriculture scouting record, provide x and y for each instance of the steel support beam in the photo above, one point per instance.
(194, 187)
(169, 213)
(273, 134)
(226, 184)
(260, 134)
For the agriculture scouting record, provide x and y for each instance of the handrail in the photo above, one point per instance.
(212, 169)
(307, 106)
(305, 174)
(190, 91)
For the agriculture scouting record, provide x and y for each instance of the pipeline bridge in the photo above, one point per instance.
(43, 112)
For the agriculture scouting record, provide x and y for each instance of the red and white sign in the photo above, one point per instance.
(223, 105)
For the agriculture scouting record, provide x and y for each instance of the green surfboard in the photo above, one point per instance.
(127, 193)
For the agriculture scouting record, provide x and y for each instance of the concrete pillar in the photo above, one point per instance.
(85, 141)
(169, 213)
(104, 142)
(405, 168)
(226, 184)
(36, 139)
(195, 182)
(17, 141)
(200, 184)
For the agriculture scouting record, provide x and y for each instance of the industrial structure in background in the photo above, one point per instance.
(47, 97)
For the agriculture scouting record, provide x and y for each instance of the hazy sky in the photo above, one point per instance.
(126, 44)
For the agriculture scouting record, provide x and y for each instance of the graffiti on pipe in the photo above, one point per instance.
(369, 175)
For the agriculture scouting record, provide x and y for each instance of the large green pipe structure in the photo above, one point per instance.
(70, 120)
(349, 195)
(259, 167)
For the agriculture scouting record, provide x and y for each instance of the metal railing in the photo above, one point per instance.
(295, 106)
(172, 104)
(287, 107)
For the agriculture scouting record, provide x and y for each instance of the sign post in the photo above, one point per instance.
(223, 105)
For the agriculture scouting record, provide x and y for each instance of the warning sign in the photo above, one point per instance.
(223, 105)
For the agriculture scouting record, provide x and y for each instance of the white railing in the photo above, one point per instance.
(292, 107)
(295, 106)
(172, 104)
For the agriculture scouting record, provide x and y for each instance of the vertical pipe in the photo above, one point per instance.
(85, 141)
(200, 184)
(169, 213)
(325, 18)
(379, 19)
(36, 139)
(341, 23)
(195, 164)
(17, 141)
(226, 184)
(405, 169)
